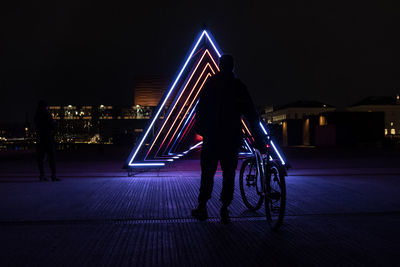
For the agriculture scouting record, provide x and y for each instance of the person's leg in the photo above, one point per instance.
(229, 160)
(51, 155)
(209, 164)
(40, 153)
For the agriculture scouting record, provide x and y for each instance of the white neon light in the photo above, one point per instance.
(276, 150)
(147, 164)
(272, 143)
(172, 88)
(248, 146)
(196, 145)
(212, 43)
(176, 157)
(262, 127)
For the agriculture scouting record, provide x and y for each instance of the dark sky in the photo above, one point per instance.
(81, 52)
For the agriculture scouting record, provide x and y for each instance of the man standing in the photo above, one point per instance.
(223, 101)
(45, 127)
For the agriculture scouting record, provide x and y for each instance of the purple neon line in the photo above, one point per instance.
(172, 88)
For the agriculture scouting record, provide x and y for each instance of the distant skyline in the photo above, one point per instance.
(77, 52)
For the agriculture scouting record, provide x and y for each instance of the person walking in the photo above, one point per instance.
(223, 101)
(45, 144)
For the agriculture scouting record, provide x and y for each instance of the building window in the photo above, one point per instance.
(391, 123)
(386, 132)
(322, 121)
(392, 131)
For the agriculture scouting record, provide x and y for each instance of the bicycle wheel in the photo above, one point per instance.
(275, 197)
(249, 185)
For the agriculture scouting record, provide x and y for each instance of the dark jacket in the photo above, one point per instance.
(223, 101)
(45, 125)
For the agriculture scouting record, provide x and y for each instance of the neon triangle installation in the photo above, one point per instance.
(169, 134)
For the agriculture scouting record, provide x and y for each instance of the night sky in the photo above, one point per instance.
(81, 52)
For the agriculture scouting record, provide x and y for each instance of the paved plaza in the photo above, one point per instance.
(342, 210)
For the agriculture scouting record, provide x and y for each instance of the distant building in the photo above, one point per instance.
(149, 90)
(295, 122)
(99, 124)
(346, 128)
(389, 105)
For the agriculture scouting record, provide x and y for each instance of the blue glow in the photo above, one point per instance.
(272, 143)
(248, 146)
(172, 88)
(262, 127)
(276, 150)
(212, 43)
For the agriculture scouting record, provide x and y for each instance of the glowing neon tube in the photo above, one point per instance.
(276, 150)
(272, 143)
(147, 164)
(183, 127)
(194, 99)
(196, 145)
(172, 88)
(187, 99)
(176, 102)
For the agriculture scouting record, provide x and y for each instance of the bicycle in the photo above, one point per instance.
(262, 179)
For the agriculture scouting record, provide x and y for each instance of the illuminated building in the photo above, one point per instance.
(294, 122)
(99, 124)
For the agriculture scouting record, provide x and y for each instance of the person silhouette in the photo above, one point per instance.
(223, 101)
(45, 144)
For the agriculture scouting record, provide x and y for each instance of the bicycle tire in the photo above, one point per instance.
(251, 196)
(276, 192)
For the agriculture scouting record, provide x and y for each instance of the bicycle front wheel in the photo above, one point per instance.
(249, 185)
(275, 197)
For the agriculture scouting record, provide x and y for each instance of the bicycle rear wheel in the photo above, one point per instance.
(275, 197)
(249, 185)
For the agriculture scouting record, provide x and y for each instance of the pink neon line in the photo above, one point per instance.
(187, 99)
(191, 76)
(191, 104)
(247, 130)
(194, 115)
(194, 99)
